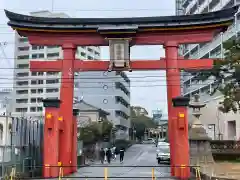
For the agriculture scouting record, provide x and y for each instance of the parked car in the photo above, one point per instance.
(149, 141)
(163, 152)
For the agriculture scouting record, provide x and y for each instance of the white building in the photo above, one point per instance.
(5, 101)
(100, 89)
(221, 125)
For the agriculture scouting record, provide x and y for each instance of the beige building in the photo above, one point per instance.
(218, 125)
(89, 113)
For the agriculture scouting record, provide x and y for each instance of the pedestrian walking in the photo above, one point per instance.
(121, 153)
(109, 155)
(102, 155)
(114, 153)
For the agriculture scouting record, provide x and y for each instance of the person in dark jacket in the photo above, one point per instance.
(121, 153)
(102, 155)
(109, 155)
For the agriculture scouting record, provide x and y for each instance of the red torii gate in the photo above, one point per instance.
(54, 32)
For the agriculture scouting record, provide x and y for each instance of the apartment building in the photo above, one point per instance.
(109, 91)
(5, 101)
(218, 125)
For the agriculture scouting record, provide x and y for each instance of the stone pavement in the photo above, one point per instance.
(222, 170)
(137, 155)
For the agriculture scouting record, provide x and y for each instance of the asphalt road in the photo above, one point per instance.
(137, 155)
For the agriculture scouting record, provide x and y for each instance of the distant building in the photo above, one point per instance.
(5, 101)
(89, 113)
(139, 110)
(157, 116)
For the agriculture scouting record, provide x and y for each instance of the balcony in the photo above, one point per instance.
(217, 41)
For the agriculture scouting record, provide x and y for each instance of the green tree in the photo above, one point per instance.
(227, 76)
(140, 123)
(96, 131)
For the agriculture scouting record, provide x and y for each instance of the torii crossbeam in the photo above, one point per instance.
(170, 31)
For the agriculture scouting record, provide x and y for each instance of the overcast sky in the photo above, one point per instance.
(153, 95)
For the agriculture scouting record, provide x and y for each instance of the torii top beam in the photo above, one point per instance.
(94, 31)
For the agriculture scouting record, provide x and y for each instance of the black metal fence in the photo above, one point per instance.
(22, 146)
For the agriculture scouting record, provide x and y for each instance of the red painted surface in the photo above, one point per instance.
(174, 90)
(66, 107)
(182, 143)
(141, 38)
(100, 65)
(74, 145)
(51, 143)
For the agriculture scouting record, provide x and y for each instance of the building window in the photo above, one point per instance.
(21, 101)
(90, 50)
(90, 58)
(39, 109)
(52, 73)
(23, 66)
(22, 83)
(37, 47)
(23, 39)
(21, 109)
(50, 47)
(119, 85)
(83, 54)
(123, 75)
(122, 101)
(37, 56)
(40, 91)
(33, 109)
(213, 4)
(22, 92)
(22, 74)
(96, 53)
(23, 57)
(52, 81)
(33, 100)
(24, 48)
(121, 114)
(53, 90)
(33, 91)
(39, 100)
(53, 55)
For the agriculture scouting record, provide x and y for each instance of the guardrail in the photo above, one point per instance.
(153, 173)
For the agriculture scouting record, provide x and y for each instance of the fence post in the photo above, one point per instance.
(153, 176)
(105, 173)
(198, 174)
(60, 176)
(12, 174)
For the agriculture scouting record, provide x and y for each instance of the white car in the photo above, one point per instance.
(163, 153)
(160, 144)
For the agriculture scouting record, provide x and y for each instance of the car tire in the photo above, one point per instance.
(159, 161)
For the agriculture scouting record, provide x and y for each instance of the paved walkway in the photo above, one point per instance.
(137, 155)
